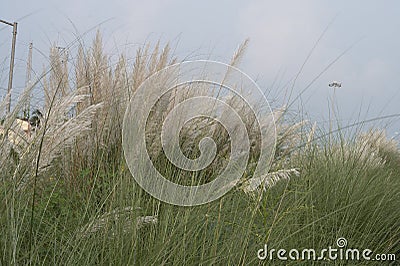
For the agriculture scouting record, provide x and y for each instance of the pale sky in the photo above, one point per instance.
(282, 33)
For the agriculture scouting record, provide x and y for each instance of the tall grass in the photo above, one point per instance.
(67, 196)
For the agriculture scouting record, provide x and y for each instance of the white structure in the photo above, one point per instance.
(19, 134)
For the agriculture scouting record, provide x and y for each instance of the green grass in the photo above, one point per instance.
(333, 197)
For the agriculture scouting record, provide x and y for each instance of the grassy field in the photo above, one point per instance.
(67, 196)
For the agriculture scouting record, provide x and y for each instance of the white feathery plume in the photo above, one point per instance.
(10, 136)
(58, 132)
(62, 135)
(124, 215)
(269, 180)
(310, 137)
(378, 141)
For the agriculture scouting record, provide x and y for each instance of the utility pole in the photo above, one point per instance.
(10, 76)
(28, 81)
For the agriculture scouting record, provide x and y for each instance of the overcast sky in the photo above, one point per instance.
(282, 33)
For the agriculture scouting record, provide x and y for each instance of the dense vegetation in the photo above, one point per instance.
(67, 196)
